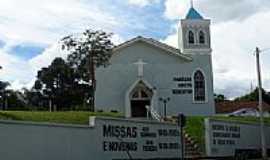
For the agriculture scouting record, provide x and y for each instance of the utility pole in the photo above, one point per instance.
(263, 145)
(50, 105)
(2, 105)
(6, 100)
(93, 79)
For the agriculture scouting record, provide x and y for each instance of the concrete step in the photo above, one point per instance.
(191, 147)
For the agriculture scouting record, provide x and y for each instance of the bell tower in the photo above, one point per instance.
(194, 33)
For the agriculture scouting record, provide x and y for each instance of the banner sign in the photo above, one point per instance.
(137, 139)
(223, 138)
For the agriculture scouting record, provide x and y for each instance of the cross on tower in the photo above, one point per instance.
(191, 3)
(140, 65)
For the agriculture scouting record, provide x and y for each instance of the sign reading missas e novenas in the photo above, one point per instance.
(139, 139)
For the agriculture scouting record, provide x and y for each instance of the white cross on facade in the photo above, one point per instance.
(140, 65)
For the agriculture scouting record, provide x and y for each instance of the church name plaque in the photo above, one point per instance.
(182, 91)
(183, 85)
(182, 79)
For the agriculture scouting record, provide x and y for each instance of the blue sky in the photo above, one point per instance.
(26, 51)
(2, 44)
(30, 31)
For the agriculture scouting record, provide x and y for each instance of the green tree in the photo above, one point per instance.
(254, 96)
(55, 82)
(59, 87)
(3, 93)
(88, 52)
(219, 98)
(15, 100)
(34, 99)
(3, 85)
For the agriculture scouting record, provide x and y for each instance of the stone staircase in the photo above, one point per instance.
(192, 149)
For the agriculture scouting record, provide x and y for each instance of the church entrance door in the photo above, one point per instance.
(140, 97)
(138, 108)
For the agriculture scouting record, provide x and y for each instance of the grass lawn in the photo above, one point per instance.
(54, 117)
(243, 119)
(195, 128)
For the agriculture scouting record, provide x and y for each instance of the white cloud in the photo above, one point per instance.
(15, 70)
(55, 50)
(172, 39)
(21, 73)
(116, 39)
(45, 59)
(175, 9)
(44, 22)
(218, 11)
(142, 3)
(47, 21)
(233, 44)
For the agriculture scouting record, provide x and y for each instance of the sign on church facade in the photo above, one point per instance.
(143, 71)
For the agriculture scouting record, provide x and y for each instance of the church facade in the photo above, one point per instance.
(145, 72)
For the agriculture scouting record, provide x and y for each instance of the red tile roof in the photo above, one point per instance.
(231, 106)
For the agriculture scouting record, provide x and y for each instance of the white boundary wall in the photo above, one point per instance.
(102, 139)
(222, 138)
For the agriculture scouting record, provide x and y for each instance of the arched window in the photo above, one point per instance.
(191, 38)
(141, 94)
(199, 87)
(201, 37)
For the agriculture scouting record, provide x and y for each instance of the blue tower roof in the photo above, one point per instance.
(193, 14)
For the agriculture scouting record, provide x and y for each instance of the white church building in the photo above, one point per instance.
(145, 72)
